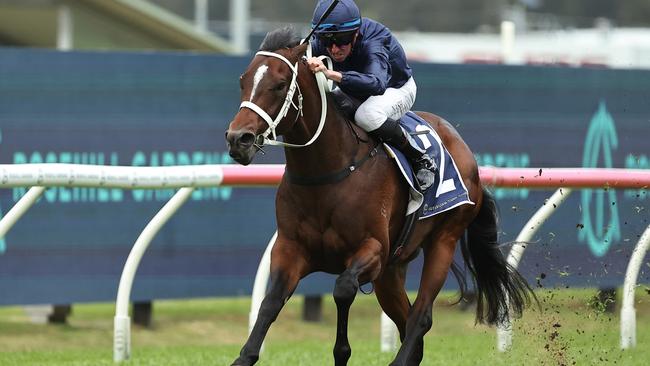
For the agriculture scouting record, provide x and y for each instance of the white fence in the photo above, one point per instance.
(187, 178)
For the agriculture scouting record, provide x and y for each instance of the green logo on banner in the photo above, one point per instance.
(601, 140)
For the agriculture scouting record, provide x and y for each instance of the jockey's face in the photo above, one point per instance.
(340, 51)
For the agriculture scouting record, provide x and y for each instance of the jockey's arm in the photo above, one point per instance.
(373, 80)
(316, 65)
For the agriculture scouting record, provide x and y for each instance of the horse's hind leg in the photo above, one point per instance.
(438, 257)
(390, 292)
(365, 266)
(287, 267)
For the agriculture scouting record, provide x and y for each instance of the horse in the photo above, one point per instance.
(341, 217)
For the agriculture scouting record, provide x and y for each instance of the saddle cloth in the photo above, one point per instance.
(448, 191)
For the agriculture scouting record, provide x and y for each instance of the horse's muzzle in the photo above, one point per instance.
(241, 146)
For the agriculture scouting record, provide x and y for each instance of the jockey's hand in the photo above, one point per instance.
(315, 64)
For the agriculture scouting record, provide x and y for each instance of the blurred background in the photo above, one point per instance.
(573, 33)
(528, 83)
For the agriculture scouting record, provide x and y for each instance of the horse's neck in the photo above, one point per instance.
(334, 148)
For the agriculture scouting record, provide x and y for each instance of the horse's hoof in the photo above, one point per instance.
(243, 362)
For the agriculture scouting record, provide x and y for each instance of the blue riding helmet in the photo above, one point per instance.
(344, 18)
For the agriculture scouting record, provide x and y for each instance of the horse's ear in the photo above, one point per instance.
(299, 50)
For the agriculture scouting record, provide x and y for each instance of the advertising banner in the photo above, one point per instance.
(161, 109)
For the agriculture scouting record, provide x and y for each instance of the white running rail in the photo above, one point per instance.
(103, 176)
(186, 178)
(628, 313)
(39, 176)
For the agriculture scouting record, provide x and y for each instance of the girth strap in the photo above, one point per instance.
(404, 236)
(332, 177)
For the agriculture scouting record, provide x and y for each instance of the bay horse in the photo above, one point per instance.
(341, 217)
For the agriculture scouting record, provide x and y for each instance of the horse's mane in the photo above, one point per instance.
(280, 38)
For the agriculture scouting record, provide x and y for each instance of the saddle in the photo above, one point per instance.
(347, 104)
(447, 192)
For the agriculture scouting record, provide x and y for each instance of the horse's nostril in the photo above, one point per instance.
(247, 139)
(227, 139)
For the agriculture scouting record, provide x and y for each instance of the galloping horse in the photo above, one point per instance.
(341, 217)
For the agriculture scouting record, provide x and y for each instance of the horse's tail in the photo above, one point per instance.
(497, 283)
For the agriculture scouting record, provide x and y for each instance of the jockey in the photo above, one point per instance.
(370, 65)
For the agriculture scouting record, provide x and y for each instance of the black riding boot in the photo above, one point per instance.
(425, 168)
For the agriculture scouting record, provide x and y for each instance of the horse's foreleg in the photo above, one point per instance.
(345, 291)
(437, 259)
(365, 265)
(286, 271)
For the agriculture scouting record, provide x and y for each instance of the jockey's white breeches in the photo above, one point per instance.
(393, 104)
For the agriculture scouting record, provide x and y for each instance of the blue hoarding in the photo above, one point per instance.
(154, 109)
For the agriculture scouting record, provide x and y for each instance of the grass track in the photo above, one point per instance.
(211, 331)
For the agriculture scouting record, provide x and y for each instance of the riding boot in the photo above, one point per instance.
(392, 133)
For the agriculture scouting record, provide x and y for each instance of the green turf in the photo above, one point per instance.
(570, 330)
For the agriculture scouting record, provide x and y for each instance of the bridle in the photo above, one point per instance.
(324, 85)
(288, 102)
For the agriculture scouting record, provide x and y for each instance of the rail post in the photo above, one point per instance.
(628, 313)
(19, 209)
(122, 322)
(504, 330)
(259, 287)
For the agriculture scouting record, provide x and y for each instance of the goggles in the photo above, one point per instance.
(339, 39)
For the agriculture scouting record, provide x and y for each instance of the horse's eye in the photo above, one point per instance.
(280, 86)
